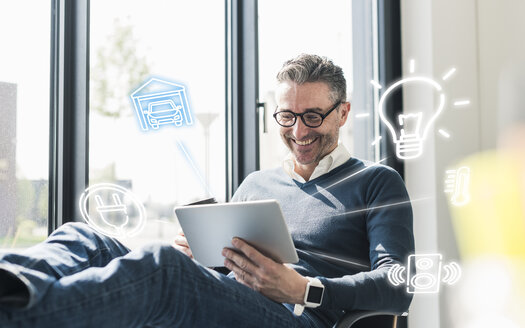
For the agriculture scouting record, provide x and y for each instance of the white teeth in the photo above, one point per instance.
(305, 142)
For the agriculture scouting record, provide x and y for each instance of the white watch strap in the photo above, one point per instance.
(298, 309)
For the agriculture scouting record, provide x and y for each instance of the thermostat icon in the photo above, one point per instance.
(457, 183)
(424, 274)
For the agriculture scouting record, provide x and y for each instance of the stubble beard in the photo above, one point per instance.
(326, 142)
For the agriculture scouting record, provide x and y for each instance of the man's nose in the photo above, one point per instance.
(300, 130)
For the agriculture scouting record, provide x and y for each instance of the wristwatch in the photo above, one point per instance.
(312, 297)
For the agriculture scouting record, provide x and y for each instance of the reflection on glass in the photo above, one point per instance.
(24, 123)
(162, 159)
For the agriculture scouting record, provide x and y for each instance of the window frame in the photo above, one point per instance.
(390, 69)
(364, 68)
(379, 59)
(242, 67)
(69, 94)
(69, 109)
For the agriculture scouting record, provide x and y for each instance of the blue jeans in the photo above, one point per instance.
(80, 278)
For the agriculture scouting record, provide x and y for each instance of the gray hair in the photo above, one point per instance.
(312, 68)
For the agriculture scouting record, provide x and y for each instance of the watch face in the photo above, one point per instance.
(315, 295)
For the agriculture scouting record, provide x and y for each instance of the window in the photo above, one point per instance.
(24, 122)
(287, 29)
(130, 43)
(165, 160)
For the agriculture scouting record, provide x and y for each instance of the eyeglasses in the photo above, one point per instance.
(311, 119)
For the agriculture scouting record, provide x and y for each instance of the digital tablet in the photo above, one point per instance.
(209, 228)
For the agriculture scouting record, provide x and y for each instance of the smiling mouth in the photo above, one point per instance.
(305, 142)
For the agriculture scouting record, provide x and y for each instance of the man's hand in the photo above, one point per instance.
(182, 244)
(276, 281)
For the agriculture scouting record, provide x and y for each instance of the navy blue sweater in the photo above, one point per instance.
(358, 213)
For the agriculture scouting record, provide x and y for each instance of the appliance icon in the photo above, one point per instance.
(423, 274)
(457, 183)
(112, 210)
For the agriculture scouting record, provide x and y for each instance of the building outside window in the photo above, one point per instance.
(24, 122)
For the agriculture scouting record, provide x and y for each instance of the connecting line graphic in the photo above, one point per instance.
(166, 221)
(190, 160)
(379, 206)
(348, 177)
(339, 260)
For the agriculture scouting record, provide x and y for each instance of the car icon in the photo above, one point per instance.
(163, 112)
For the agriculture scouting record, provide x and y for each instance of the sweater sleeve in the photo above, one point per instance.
(391, 240)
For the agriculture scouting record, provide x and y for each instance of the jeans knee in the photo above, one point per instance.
(80, 233)
(159, 250)
(165, 254)
(75, 227)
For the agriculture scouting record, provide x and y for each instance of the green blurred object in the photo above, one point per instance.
(26, 235)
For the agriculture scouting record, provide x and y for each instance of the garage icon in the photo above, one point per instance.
(158, 102)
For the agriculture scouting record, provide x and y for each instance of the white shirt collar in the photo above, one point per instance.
(334, 159)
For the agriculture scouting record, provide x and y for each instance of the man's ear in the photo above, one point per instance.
(343, 112)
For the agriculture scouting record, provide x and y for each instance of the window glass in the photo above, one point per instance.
(24, 122)
(287, 29)
(157, 105)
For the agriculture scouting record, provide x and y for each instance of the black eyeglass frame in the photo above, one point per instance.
(323, 116)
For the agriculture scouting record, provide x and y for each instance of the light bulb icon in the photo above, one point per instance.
(412, 133)
(410, 129)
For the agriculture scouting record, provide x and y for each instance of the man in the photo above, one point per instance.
(336, 208)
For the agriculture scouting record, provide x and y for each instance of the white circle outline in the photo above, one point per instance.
(424, 264)
(416, 278)
(82, 203)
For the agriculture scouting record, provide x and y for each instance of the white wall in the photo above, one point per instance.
(420, 175)
(479, 38)
(501, 34)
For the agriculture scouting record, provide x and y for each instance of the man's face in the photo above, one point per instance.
(310, 145)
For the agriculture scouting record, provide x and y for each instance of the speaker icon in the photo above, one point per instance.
(452, 273)
(395, 274)
(423, 273)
